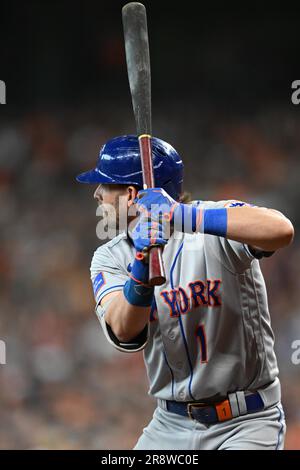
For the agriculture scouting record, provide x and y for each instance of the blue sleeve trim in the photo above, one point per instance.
(98, 282)
(109, 289)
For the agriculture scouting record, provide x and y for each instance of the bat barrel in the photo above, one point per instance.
(138, 63)
(139, 76)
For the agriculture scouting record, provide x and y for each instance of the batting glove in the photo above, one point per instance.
(148, 232)
(184, 217)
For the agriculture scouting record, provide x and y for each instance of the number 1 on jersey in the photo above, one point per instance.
(200, 333)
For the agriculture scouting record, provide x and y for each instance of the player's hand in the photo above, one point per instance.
(163, 208)
(158, 203)
(147, 233)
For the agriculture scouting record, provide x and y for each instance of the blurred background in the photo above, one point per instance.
(221, 85)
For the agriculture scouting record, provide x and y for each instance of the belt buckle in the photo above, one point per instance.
(222, 409)
(194, 405)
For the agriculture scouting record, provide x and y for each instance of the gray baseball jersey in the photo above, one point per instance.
(209, 330)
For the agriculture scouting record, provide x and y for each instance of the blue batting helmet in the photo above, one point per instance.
(119, 162)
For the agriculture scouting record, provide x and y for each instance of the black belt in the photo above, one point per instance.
(210, 414)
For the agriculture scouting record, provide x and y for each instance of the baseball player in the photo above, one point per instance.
(206, 333)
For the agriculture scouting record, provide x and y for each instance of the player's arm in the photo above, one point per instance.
(126, 321)
(259, 227)
(266, 229)
(128, 311)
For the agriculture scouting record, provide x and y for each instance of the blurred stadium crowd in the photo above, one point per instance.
(63, 386)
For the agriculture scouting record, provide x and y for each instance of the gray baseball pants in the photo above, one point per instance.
(264, 430)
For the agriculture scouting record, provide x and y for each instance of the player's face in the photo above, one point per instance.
(115, 200)
(108, 193)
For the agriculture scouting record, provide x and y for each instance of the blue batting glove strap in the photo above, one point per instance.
(138, 294)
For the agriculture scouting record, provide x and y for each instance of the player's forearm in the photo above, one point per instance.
(260, 227)
(126, 320)
(129, 313)
(265, 228)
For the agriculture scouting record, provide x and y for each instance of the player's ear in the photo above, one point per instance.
(132, 192)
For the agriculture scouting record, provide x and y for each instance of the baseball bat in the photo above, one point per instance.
(139, 76)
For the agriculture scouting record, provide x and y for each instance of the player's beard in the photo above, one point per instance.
(120, 218)
(114, 218)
